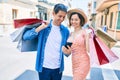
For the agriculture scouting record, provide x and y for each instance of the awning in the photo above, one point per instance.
(106, 4)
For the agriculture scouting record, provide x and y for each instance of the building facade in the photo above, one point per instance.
(18, 9)
(92, 13)
(108, 15)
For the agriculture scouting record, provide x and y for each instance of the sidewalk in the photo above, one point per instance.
(105, 72)
(20, 66)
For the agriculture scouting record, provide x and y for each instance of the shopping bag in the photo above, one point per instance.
(25, 45)
(106, 38)
(17, 34)
(108, 52)
(100, 53)
(93, 54)
(28, 21)
(28, 45)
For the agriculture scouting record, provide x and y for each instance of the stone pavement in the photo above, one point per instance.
(96, 74)
(20, 66)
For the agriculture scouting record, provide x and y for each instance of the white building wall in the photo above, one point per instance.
(6, 20)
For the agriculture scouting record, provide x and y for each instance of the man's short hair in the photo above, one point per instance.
(59, 7)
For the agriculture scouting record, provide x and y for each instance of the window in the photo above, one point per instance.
(94, 4)
(111, 19)
(118, 21)
(105, 19)
(101, 20)
(31, 14)
(14, 13)
(45, 16)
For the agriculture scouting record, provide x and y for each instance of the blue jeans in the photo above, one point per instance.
(50, 74)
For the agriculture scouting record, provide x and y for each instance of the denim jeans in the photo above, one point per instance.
(50, 74)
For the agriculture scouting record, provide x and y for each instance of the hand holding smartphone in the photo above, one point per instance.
(68, 44)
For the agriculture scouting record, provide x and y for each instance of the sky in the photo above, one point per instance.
(83, 4)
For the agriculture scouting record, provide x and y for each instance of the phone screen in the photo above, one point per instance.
(68, 44)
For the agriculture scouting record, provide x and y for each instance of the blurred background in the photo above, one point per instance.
(16, 65)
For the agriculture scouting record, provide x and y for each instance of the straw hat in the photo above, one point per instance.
(80, 11)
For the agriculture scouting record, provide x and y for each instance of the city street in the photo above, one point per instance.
(15, 65)
(12, 61)
(101, 15)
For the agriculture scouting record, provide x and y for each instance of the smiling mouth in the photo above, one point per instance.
(73, 24)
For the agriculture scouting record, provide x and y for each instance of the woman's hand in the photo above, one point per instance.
(66, 50)
(42, 26)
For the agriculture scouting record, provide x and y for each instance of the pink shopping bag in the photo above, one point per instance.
(99, 52)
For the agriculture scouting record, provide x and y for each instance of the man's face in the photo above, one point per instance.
(58, 18)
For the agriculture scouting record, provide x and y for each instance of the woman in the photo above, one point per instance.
(79, 47)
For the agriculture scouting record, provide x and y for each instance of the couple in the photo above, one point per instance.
(53, 36)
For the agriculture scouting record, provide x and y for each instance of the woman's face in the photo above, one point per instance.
(75, 21)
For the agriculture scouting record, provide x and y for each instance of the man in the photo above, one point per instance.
(51, 38)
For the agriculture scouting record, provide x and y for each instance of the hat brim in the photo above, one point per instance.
(80, 11)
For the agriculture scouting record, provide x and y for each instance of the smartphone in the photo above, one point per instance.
(68, 44)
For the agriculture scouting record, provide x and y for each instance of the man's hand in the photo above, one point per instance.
(42, 26)
(66, 50)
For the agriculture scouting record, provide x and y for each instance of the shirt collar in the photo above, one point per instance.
(50, 25)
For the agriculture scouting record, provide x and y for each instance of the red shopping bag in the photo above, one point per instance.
(108, 52)
(28, 21)
(99, 52)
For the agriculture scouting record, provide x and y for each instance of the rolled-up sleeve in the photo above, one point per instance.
(30, 34)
